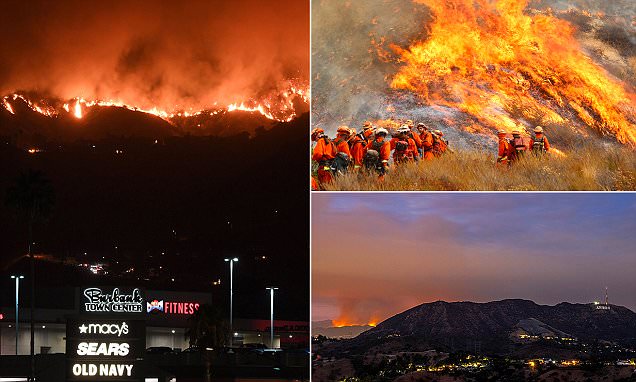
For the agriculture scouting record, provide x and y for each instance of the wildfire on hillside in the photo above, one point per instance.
(343, 321)
(510, 68)
(278, 105)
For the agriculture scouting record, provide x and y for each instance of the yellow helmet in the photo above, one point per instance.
(538, 129)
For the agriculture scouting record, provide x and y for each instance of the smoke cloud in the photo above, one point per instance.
(165, 54)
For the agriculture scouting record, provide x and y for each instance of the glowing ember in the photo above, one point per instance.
(510, 69)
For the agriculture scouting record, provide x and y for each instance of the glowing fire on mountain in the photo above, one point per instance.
(277, 106)
(341, 322)
(509, 69)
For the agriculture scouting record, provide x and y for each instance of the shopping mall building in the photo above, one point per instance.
(101, 332)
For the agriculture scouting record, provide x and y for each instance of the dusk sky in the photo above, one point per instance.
(375, 255)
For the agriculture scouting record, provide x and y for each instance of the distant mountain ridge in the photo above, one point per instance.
(495, 326)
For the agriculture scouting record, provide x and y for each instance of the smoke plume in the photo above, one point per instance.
(165, 54)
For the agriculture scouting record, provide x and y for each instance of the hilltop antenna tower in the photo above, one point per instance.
(605, 305)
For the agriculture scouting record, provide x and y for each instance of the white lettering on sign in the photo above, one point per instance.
(108, 349)
(104, 329)
(115, 301)
(102, 370)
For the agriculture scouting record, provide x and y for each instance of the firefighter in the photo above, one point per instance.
(518, 146)
(343, 155)
(367, 132)
(440, 145)
(504, 148)
(356, 147)
(539, 143)
(404, 148)
(324, 153)
(427, 141)
(377, 153)
(416, 138)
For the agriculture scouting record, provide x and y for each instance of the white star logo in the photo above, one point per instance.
(83, 328)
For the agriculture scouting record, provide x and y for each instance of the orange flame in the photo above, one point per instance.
(278, 106)
(7, 105)
(77, 112)
(508, 69)
(347, 321)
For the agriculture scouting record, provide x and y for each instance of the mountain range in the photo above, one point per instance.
(498, 327)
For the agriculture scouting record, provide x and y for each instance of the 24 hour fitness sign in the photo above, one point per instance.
(106, 342)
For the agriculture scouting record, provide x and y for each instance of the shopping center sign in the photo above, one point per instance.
(104, 349)
(108, 339)
(113, 300)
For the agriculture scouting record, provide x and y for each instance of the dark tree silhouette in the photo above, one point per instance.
(32, 197)
(208, 329)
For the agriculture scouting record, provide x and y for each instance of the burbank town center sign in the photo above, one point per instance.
(107, 340)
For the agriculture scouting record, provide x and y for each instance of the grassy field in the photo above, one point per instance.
(588, 168)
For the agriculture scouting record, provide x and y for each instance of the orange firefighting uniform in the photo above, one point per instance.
(504, 150)
(385, 150)
(342, 146)
(385, 153)
(324, 151)
(427, 144)
(546, 144)
(356, 147)
(411, 151)
(514, 143)
(439, 146)
(418, 141)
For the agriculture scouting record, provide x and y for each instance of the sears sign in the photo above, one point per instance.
(113, 300)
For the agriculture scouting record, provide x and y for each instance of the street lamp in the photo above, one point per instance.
(271, 316)
(17, 293)
(231, 261)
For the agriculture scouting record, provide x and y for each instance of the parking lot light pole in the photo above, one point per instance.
(231, 261)
(17, 294)
(271, 316)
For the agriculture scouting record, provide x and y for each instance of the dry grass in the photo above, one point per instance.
(586, 169)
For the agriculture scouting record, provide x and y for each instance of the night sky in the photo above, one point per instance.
(375, 255)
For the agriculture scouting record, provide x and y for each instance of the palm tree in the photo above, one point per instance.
(208, 329)
(32, 197)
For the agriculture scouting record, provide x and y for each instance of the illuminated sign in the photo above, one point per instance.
(154, 305)
(102, 370)
(104, 350)
(97, 300)
(170, 307)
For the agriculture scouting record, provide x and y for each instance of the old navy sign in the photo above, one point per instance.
(97, 300)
